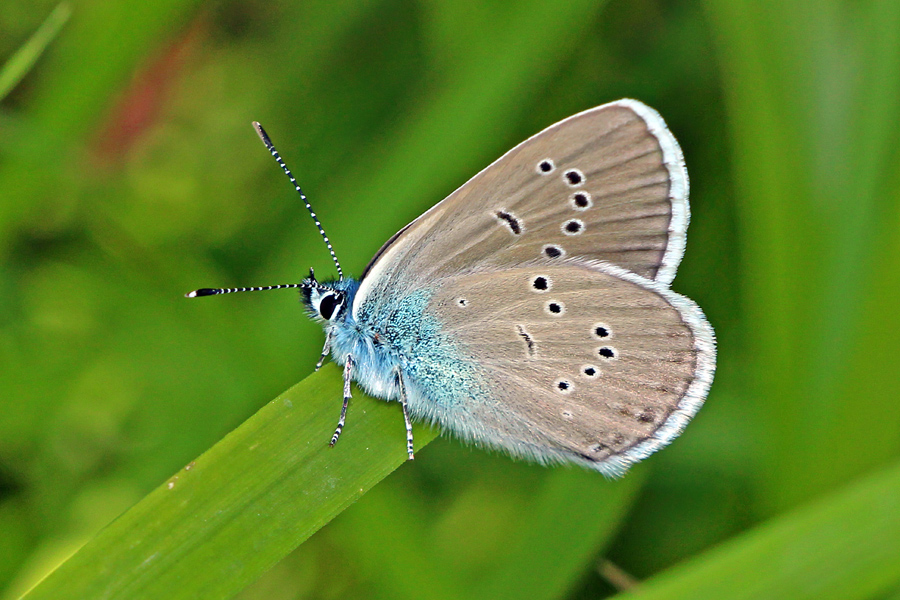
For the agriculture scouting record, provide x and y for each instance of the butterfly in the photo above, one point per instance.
(531, 310)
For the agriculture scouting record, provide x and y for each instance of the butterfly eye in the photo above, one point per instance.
(328, 304)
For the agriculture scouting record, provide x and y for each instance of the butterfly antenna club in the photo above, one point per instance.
(271, 147)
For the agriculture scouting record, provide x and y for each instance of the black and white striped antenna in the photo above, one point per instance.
(271, 147)
(261, 288)
(309, 284)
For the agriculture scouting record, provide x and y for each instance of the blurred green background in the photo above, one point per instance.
(129, 174)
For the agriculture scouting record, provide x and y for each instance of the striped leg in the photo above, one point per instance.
(409, 435)
(325, 350)
(348, 368)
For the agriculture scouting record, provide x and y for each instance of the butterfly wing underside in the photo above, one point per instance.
(606, 184)
(585, 362)
(549, 275)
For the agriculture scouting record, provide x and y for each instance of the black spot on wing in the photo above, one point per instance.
(529, 341)
(512, 222)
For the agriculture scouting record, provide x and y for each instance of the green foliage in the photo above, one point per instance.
(22, 61)
(129, 174)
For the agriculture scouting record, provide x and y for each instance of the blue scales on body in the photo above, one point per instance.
(398, 354)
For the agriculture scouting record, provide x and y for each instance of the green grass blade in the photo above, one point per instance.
(844, 547)
(21, 62)
(245, 503)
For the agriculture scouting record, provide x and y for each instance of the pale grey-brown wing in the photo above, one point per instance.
(606, 184)
(584, 362)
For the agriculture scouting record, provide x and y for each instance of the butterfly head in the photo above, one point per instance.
(327, 301)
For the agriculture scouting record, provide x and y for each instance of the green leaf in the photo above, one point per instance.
(245, 503)
(21, 62)
(843, 547)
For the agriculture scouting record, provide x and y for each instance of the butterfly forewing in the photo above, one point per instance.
(607, 184)
(584, 362)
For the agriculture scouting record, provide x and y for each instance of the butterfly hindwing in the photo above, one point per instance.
(607, 184)
(582, 361)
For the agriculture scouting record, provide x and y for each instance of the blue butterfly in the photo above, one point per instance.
(530, 310)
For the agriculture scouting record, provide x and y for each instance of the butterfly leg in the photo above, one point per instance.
(325, 350)
(409, 434)
(348, 369)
